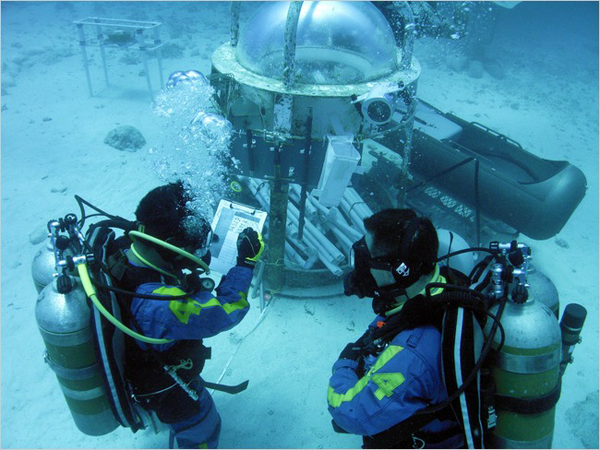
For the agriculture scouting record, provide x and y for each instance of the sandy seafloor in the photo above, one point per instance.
(52, 148)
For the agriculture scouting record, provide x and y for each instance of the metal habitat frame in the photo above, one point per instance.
(104, 39)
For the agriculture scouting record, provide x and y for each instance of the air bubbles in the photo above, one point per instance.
(194, 141)
(211, 128)
(186, 78)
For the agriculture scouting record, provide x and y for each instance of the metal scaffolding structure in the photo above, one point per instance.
(122, 34)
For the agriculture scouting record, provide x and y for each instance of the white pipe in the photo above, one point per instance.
(355, 204)
(311, 242)
(353, 197)
(323, 256)
(254, 188)
(367, 212)
(293, 255)
(342, 239)
(338, 257)
(258, 279)
(324, 210)
(339, 222)
(334, 216)
(311, 253)
(309, 238)
(309, 210)
(356, 221)
(292, 223)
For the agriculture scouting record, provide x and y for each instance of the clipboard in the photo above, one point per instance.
(229, 220)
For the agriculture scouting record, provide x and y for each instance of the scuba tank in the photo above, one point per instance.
(43, 267)
(63, 318)
(542, 289)
(449, 243)
(531, 352)
(526, 369)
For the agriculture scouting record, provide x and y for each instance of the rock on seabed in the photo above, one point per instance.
(126, 138)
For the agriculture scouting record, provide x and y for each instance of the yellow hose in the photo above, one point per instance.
(137, 234)
(84, 276)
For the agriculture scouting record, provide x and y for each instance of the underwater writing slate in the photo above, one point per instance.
(230, 219)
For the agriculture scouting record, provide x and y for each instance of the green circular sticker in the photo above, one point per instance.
(236, 186)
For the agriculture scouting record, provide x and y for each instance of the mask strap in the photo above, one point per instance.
(407, 237)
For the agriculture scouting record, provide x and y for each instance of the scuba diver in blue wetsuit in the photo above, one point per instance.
(151, 268)
(386, 385)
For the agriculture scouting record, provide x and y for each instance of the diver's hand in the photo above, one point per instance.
(250, 246)
(352, 351)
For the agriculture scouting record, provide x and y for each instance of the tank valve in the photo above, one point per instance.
(520, 294)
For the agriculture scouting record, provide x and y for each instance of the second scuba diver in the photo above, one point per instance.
(383, 382)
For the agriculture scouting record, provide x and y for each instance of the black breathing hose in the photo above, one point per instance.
(486, 348)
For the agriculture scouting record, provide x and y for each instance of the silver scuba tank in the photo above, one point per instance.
(63, 318)
(450, 242)
(542, 289)
(43, 267)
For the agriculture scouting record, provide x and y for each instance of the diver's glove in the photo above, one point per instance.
(250, 246)
(352, 351)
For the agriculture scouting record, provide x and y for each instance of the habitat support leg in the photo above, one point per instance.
(402, 184)
(102, 53)
(277, 225)
(408, 122)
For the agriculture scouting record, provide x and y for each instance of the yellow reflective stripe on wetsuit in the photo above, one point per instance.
(183, 309)
(386, 382)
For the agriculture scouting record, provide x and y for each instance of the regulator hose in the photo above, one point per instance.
(486, 348)
(146, 237)
(88, 286)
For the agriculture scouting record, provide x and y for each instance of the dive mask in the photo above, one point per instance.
(196, 245)
(403, 270)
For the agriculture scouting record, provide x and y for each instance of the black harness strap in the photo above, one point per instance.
(130, 278)
(460, 352)
(458, 318)
(411, 427)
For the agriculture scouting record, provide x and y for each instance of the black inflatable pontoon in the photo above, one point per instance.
(488, 171)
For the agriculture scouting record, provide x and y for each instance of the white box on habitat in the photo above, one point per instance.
(340, 163)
